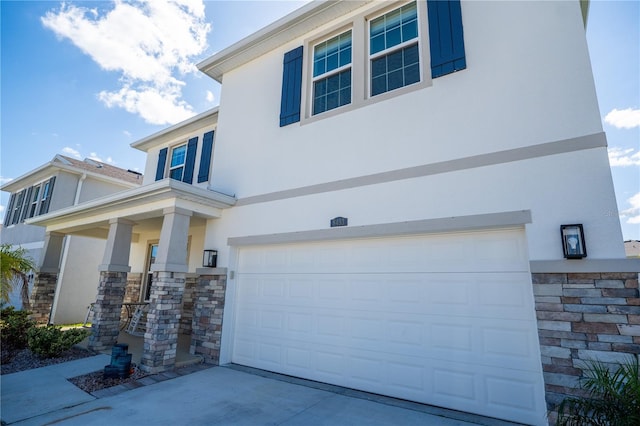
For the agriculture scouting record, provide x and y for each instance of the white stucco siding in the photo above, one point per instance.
(79, 285)
(527, 82)
(64, 190)
(550, 187)
(93, 188)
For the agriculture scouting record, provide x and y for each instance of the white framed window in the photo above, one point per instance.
(394, 53)
(35, 199)
(44, 204)
(177, 163)
(332, 60)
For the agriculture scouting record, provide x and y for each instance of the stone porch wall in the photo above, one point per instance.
(208, 309)
(134, 287)
(582, 317)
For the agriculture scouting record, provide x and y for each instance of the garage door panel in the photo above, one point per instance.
(394, 316)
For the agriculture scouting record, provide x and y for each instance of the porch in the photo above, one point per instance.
(136, 348)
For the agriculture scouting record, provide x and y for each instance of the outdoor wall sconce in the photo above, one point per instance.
(210, 258)
(573, 244)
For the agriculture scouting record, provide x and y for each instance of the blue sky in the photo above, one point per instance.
(86, 79)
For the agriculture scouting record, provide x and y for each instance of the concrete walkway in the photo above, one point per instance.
(208, 396)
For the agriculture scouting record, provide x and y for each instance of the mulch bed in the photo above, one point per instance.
(24, 359)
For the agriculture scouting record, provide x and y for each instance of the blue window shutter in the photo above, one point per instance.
(291, 87)
(205, 157)
(162, 160)
(190, 161)
(7, 214)
(445, 37)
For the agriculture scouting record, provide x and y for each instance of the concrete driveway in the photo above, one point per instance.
(209, 396)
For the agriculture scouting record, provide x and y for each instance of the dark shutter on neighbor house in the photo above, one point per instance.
(44, 208)
(162, 160)
(190, 161)
(27, 204)
(9, 211)
(17, 208)
(445, 37)
(291, 87)
(205, 157)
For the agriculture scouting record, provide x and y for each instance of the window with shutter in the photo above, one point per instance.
(162, 160)
(190, 160)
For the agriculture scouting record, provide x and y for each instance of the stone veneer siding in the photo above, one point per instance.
(106, 317)
(209, 298)
(163, 320)
(134, 287)
(41, 298)
(187, 303)
(582, 317)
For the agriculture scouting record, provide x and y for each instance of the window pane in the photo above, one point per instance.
(332, 54)
(178, 155)
(176, 173)
(332, 92)
(397, 26)
(397, 69)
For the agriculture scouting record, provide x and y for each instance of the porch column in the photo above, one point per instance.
(46, 278)
(167, 288)
(112, 285)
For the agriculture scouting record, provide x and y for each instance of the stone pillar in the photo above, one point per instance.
(208, 309)
(111, 289)
(42, 294)
(46, 278)
(163, 321)
(167, 289)
(106, 317)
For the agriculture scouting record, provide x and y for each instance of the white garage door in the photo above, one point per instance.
(442, 319)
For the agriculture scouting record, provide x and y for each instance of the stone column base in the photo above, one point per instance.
(106, 318)
(42, 294)
(163, 321)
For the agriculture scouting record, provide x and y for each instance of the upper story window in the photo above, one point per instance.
(332, 73)
(182, 160)
(393, 50)
(29, 202)
(178, 158)
(385, 53)
(44, 203)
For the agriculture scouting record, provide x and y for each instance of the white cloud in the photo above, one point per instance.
(72, 152)
(632, 214)
(1, 208)
(210, 96)
(619, 157)
(150, 43)
(94, 156)
(623, 118)
(4, 180)
(127, 133)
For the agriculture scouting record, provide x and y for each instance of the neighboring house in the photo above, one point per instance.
(632, 248)
(384, 184)
(60, 183)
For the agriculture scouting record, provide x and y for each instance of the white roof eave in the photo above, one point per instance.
(290, 27)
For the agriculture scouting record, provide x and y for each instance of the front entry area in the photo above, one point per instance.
(442, 319)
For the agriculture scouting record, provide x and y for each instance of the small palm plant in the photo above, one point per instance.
(613, 397)
(14, 266)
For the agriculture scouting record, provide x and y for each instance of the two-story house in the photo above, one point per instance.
(409, 198)
(60, 183)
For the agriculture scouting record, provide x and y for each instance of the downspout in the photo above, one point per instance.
(65, 252)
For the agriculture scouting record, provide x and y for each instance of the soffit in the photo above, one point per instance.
(290, 27)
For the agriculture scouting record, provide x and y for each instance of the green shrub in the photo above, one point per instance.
(14, 326)
(51, 341)
(614, 397)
